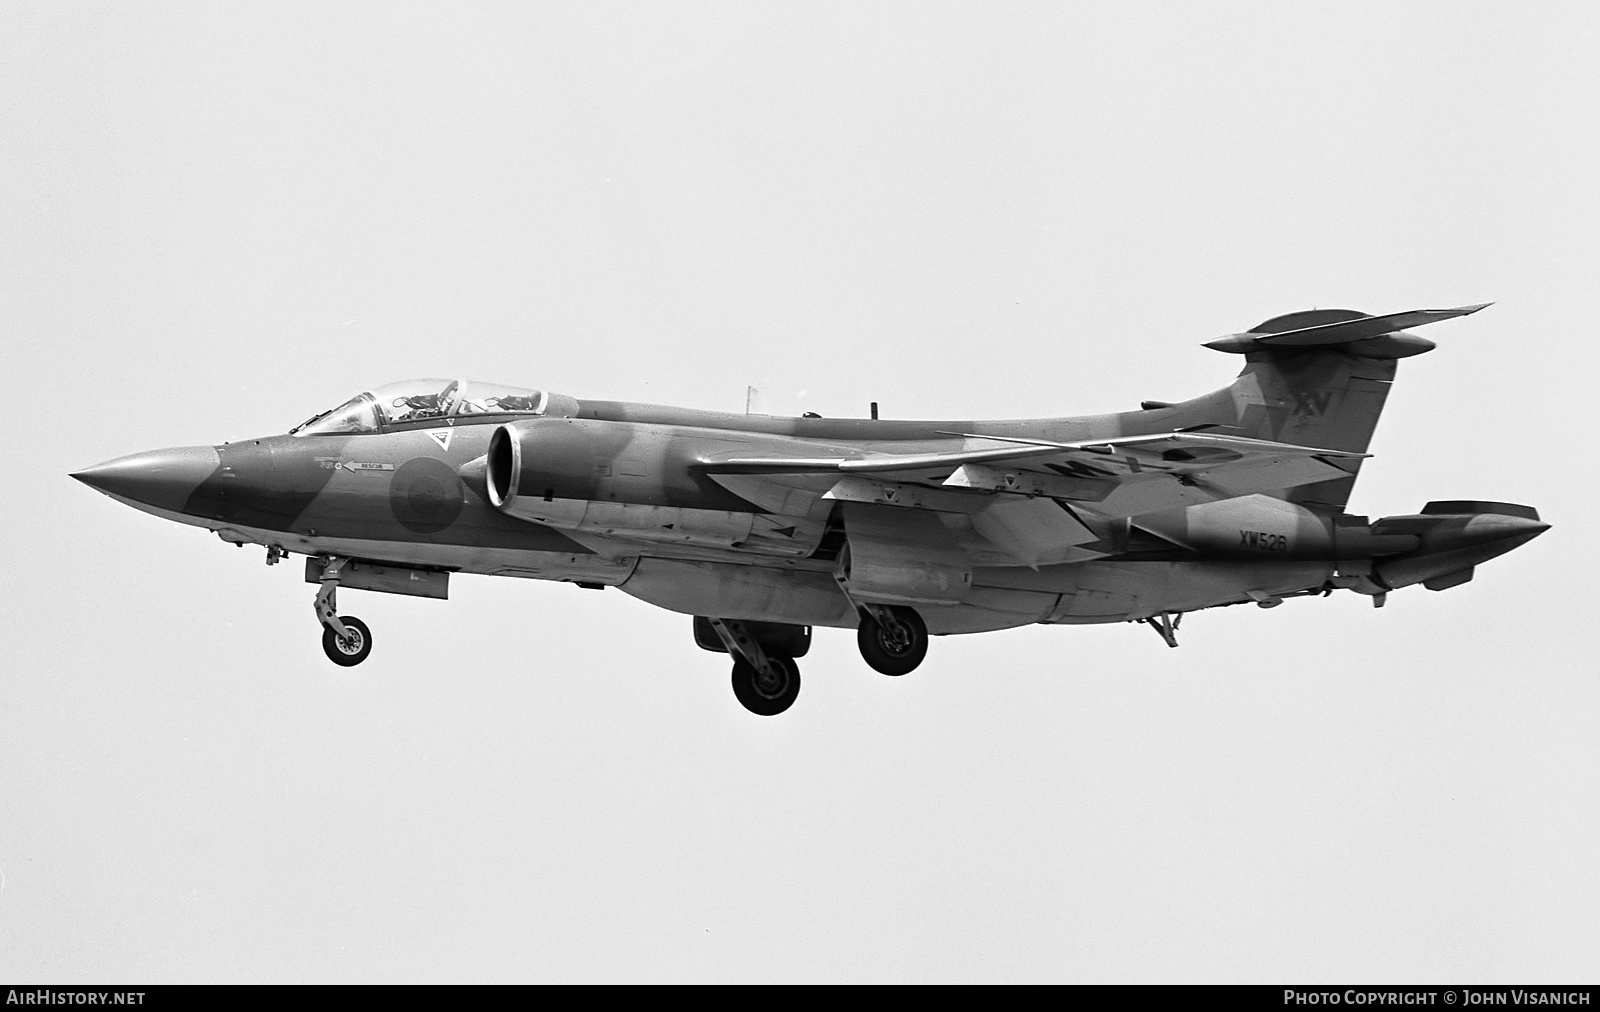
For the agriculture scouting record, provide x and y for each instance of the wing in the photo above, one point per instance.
(1117, 477)
(1173, 449)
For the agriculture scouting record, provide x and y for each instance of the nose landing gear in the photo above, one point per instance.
(350, 649)
(345, 639)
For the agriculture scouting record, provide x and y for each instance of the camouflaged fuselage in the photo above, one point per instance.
(1231, 497)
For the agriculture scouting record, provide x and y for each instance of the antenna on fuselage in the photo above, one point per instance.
(874, 410)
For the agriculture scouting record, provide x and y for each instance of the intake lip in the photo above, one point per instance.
(503, 467)
(160, 479)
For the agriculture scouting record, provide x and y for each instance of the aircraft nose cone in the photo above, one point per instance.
(162, 479)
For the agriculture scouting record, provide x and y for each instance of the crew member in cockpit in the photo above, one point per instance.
(429, 405)
(509, 402)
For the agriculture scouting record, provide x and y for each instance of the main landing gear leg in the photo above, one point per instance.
(345, 639)
(1166, 626)
(764, 683)
(893, 638)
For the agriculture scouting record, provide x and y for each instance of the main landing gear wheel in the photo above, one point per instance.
(770, 694)
(896, 644)
(348, 651)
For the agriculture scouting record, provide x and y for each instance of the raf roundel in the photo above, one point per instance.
(426, 495)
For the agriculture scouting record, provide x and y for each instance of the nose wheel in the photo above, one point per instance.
(345, 639)
(350, 649)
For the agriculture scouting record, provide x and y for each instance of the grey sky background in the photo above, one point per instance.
(216, 220)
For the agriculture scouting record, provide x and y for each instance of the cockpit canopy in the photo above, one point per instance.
(420, 400)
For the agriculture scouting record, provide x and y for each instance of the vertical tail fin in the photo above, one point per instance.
(1320, 378)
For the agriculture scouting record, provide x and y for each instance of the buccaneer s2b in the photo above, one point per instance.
(764, 527)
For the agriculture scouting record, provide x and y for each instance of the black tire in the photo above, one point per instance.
(893, 652)
(352, 652)
(765, 697)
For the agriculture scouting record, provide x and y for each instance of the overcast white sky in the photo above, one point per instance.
(216, 220)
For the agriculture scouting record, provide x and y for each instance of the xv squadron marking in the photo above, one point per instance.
(1311, 403)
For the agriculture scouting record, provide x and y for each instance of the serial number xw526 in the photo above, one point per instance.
(1263, 542)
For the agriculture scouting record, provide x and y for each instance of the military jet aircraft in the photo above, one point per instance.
(764, 527)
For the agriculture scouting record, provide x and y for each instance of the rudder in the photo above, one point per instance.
(1320, 378)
